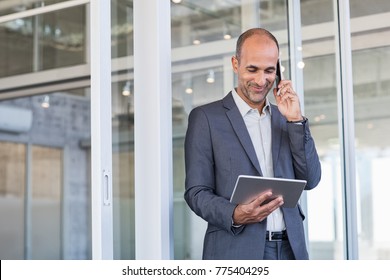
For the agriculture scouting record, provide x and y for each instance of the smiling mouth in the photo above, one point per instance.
(258, 89)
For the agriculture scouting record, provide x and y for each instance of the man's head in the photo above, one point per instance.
(251, 32)
(255, 64)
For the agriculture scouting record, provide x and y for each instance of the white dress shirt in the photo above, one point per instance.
(259, 128)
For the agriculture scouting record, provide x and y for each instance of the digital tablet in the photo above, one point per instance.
(248, 188)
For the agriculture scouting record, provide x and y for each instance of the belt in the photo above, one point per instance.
(276, 235)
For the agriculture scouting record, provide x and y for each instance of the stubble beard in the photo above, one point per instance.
(254, 97)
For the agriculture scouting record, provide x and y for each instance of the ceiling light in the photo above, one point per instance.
(226, 32)
(126, 89)
(186, 83)
(189, 90)
(188, 86)
(46, 102)
(176, 1)
(210, 77)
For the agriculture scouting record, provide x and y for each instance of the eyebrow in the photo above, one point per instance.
(251, 66)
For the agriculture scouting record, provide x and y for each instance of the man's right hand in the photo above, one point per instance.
(257, 210)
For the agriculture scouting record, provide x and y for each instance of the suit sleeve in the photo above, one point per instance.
(305, 158)
(200, 186)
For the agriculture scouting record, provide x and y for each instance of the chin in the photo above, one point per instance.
(259, 100)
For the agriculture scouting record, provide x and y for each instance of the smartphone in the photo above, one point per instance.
(279, 75)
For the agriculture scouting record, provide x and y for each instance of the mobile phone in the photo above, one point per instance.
(279, 75)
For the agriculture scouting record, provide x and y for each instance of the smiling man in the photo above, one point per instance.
(243, 134)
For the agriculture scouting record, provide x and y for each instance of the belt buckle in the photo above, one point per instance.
(270, 237)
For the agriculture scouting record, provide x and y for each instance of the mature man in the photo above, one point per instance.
(244, 134)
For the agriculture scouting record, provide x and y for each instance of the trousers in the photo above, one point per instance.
(278, 250)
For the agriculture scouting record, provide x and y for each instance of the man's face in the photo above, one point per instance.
(256, 70)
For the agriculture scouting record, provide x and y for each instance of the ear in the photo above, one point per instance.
(235, 64)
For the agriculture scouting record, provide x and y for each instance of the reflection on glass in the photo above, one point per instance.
(196, 22)
(45, 182)
(16, 47)
(123, 131)
(43, 42)
(14, 6)
(122, 28)
(12, 195)
(46, 203)
(370, 51)
(324, 214)
(372, 120)
(62, 38)
(123, 170)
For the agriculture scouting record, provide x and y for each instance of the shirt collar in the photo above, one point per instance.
(244, 108)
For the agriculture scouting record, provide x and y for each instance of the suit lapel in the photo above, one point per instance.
(240, 129)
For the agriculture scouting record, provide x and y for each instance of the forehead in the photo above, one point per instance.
(260, 48)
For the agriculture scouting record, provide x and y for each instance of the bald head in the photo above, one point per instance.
(253, 32)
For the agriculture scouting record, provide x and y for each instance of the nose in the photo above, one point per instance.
(261, 79)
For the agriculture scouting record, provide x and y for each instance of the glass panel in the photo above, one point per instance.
(62, 38)
(123, 169)
(197, 22)
(121, 28)
(46, 203)
(12, 190)
(16, 47)
(325, 215)
(359, 8)
(57, 223)
(123, 131)
(204, 74)
(371, 77)
(316, 11)
(43, 42)
(14, 6)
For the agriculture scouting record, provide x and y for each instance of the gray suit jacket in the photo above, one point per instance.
(218, 148)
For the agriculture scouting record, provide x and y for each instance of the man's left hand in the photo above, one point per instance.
(288, 101)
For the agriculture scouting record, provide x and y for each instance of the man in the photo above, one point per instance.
(243, 134)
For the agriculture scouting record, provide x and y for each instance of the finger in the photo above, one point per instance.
(262, 198)
(284, 86)
(287, 90)
(277, 94)
(274, 203)
(278, 90)
(271, 205)
(285, 83)
(289, 97)
(284, 90)
(267, 208)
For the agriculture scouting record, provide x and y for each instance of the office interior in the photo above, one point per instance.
(46, 111)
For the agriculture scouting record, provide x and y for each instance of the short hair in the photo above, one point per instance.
(249, 33)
